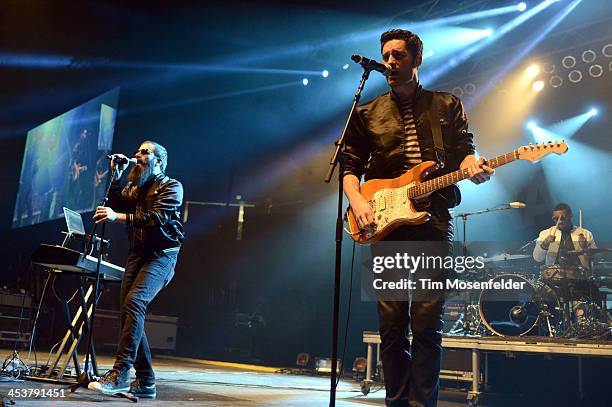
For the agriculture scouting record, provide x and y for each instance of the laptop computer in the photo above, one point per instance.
(74, 222)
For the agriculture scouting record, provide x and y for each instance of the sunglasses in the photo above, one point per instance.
(558, 218)
(143, 151)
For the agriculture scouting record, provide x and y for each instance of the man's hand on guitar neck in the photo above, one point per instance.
(478, 171)
(361, 208)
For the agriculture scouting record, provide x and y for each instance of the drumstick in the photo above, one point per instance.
(580, 219)
(556, 227)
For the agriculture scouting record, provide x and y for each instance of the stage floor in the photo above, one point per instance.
(192, 382)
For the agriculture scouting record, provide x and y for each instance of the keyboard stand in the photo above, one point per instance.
(78, 327)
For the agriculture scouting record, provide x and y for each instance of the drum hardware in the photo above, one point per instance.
(558, 300)
(519, 312)
(505, 257)
(563, 274)
(591, 321)
(589, 251)
(545, 315)
(470, 325)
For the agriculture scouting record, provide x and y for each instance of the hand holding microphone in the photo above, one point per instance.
(121, 161)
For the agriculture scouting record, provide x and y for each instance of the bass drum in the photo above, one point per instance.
(517, 312)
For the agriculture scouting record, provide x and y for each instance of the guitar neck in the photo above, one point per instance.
(459, 175)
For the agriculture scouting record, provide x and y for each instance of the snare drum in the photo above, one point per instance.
(557, 272)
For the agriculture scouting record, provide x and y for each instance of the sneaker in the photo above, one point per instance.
(141, 390)
(112, 382)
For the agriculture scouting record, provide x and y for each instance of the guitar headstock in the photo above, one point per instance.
(533, 152)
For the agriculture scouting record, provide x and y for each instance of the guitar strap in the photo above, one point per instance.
(436, 131)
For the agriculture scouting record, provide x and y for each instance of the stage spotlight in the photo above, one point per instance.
(555, 81)
(575, 76)
(521, 7)
(325, 73)
(488, 32)
(532, 71)
(359, 368)
(538, 86)
(531, 125)
(457, 91)
(302, 360)
(589, 56)
(470, 88)
(607, 50)
(595, 71)
(549, 67)
(593, 112)
(568, 61)
(305, 81)
(323, 365)
(345, 67)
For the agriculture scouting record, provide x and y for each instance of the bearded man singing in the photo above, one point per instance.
(149, 205)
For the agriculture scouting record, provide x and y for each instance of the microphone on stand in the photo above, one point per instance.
(372, 65)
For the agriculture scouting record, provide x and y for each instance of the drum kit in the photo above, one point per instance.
(555, 301)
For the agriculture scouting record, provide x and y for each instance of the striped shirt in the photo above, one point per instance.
(412, 152)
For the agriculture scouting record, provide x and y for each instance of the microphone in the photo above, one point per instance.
(372, 65)
(517, 205)
(121, 160)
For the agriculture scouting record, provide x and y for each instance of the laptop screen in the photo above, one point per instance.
(74, 222)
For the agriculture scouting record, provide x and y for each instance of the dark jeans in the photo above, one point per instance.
(145, 275)
(412, 372)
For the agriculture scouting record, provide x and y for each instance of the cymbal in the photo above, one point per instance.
(589, 252)
(506, 257)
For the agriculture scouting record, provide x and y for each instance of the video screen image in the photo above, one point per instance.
(64, 162)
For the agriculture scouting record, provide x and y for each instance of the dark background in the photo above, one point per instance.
(268, 138)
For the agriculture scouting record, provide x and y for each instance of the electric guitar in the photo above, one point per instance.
(390, 199)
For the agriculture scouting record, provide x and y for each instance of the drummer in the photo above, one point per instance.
(555, 244)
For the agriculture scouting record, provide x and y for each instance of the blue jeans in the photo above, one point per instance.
(145, 275)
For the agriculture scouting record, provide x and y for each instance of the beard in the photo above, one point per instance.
(140, 174)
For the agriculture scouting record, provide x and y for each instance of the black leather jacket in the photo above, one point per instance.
(153, 212)
(375, 140)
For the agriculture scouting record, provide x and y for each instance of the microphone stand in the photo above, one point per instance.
(467, 298)
(85, 378)
(337, 157)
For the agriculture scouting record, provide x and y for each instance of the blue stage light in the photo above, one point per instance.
(305, 81)
(531, 44)
(325, 73)
(531, 125)
(521, 7)
(465, 53)
(345, 67)
(488, 32)
(593, 112)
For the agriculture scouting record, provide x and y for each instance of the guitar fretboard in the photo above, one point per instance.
(459, 175)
